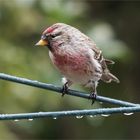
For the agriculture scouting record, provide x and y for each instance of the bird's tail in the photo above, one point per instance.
(108, 77)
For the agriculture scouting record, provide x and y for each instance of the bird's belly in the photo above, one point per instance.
(79, 76)
(78, 69)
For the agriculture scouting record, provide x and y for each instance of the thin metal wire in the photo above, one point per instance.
(57, 89)
(74, 113)
(129, 108)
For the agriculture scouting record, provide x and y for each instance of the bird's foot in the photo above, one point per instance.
(93, 96)
(64, 89)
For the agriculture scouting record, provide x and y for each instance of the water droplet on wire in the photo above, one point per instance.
(54, 118)
(91, 116)
(30, 119)
(127, 114)
(105, 115)
(40, 112)
(101, 103)
(79, 117)
(16, 120)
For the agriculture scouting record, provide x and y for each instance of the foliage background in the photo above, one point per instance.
(115, 27)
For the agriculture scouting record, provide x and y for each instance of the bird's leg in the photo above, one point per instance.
(65, 87)
(93, 94)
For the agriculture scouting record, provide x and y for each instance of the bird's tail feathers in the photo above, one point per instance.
(108, 77)
(108, 61)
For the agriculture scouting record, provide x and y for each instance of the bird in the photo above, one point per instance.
(77, 57)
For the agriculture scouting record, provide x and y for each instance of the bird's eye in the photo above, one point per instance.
(56, 34)
(53, 35)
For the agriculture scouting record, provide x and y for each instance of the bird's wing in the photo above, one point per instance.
(106, 75)
(98, 56)
(97, 51)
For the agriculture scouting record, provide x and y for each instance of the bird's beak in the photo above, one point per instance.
(42, 43)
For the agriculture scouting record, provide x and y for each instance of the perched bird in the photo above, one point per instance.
(76, 56)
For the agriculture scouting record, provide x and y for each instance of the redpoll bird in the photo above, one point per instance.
(76, 56)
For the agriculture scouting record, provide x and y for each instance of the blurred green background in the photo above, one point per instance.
(114, 26)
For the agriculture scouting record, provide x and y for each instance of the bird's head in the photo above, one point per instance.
(53, 35)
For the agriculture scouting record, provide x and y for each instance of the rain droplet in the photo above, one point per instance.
(40, 112)
(16, 120)
(36, 81)
(79, 117)
(30, 119)
(54, 118)
(127, 114)
(101, 102)
(105, 115)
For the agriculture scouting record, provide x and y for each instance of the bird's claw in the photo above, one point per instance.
(93, 96)
(64, 89)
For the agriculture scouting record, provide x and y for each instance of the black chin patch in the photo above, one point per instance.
(49, 47)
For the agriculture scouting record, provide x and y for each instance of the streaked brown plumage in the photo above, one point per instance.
(76, 56)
